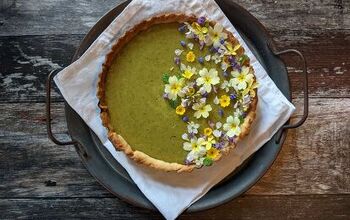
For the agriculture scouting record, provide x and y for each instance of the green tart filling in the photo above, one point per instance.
(180, 92)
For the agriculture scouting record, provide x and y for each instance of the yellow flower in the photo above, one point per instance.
(180, 110)
(190, 57)
(224, 101)
(174, 87)
(187, 74)
(252, 85)
(213, 153)
(240, 79)
(208, 131)
(232, 50)
(209, 142)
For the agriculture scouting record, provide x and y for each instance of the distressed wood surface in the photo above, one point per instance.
(309, 180)
(314, 159)
(265, 207)
(26, 61)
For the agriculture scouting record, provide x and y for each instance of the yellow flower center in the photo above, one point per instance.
(190, 57)
(224, 101)
(191, 91)
(207, 79)
(208, 131)
(187, 74)
(180, 110)
(175, 87)
(241, 77)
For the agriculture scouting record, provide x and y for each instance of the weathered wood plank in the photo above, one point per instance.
(77, 17)
(247, 207)
(30, 118)
(27, 162)
(315, 158)
(26, 61)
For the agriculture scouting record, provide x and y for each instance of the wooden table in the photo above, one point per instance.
(310, 178)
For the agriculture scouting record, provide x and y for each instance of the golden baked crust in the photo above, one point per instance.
(116, 139)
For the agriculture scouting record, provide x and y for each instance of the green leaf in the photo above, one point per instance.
(174, 103)
(165, 78)
(241, 119)
(207, 162)
(243, 59)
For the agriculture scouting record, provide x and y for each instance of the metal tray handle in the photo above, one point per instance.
(48, 110)
(306, 93)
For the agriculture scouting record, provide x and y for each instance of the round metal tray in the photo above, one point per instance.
(112, 175)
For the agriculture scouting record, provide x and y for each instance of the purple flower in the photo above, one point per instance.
(182, 28)
(201, 45)
(201, 60)
(211, 124)
(232, 96)
(185, 118)
(177, 60)
(205, 94)
(219, 145)
(244, 114)
(201, 21)
(232, 139)
(233, 63)
(165, 96)
(187, 162)
(221, 112)
(183, 43)
(213, 49)
(225, 74)
(222, 40)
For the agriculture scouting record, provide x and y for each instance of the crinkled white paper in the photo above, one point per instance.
(171, 193)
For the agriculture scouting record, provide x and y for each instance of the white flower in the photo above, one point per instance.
(192, 127)
(232, 126)
(215, 35)
(187, 71)
(202, 110)
(225, 86)
(185, 137)
(208, 78)
(217, 133)
(195, 145)
(207, 57)
(178, 52)
(190, 46)
(199, 162)
(224, 66)
(216, 58)
(241, 79)
(209, 142)
(174, 87)
(216, 100)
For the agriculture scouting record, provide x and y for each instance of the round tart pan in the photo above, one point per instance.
(109, 173)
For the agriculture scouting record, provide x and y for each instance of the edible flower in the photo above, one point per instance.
(188, 71)
(208, 78)
(180, 110)
(207, 131)
(232, 126)
(217, 133)
(252, 85)
(213, 153)
(209, 142)
(174, 87)
(241, 79)
(232, 50)
(195, 144)
(216, 34)
(224, 101)
(225, 86)
(190, 57)
(192, 128)
(202, 110)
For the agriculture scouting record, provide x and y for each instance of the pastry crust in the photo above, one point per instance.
(116, 139)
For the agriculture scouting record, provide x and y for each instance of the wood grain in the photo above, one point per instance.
(315, 158)
(26, 61)
(50, 17)
(247, 207)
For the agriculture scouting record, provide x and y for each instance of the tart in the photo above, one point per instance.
(177, 92)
